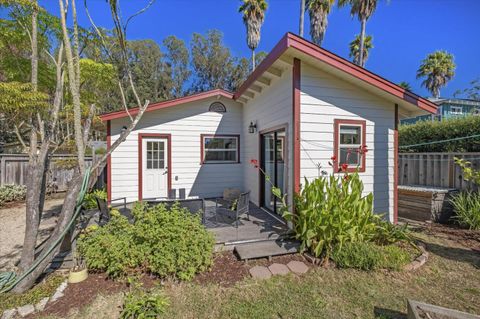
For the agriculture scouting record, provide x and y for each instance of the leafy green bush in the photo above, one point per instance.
(427, 131)
(11, 193)
(331, 211)
(466, 206)
(89, 202)
(369, 256)
(110, 248)
(388, 233)
(139, 305)
(166, 242)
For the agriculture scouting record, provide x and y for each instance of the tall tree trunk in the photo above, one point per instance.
(32, 212)
(253, 60)
(74, 85)
(302, 17)
(362, 42)
(68, 210)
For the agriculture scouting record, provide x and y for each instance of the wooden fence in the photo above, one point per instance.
(13, 170)
(435, 169)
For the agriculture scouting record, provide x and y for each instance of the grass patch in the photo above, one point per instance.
(369, 256)
(450, 278)
(42, 290)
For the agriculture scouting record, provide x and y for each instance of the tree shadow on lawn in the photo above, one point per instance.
(382, 313)
(454, 253)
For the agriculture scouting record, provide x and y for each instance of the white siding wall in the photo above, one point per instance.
(325, 98)
(185, 123)
(268, 109)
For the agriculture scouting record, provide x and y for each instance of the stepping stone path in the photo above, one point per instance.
(278, 269)
(261, 272)
(297, 267)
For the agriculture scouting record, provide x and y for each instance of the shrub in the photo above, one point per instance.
(139, 305)
(331, 211)
(11, 193)
(467, 209)
(110, 248)
(388, 233)
(427, 131)
(369, 256)
(89, 202)
(166, 242)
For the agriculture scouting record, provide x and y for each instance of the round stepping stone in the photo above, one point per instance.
(297, 267)
(260, 272)
(278, 269)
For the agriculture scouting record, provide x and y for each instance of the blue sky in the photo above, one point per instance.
(404, 31)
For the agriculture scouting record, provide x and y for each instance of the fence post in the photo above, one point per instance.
(3, 168)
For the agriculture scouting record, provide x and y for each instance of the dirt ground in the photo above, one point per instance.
(12, 229)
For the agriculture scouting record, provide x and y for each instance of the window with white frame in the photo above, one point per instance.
(349, 140)
(220, 149)
(456, 110)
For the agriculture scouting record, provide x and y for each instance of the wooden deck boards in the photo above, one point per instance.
(266, 249)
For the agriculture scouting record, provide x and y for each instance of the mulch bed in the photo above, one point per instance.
(83, 293)
(465, 237)
(227, 270)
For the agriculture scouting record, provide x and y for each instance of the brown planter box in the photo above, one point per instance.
(425, 203)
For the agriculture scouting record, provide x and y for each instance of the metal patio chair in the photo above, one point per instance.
(242, 207)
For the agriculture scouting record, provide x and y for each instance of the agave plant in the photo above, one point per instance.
(253, 15)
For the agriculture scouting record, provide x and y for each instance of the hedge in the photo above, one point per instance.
(429, 131)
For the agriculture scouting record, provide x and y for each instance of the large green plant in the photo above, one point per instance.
(467, 209)
(330, 211)
(166, 242)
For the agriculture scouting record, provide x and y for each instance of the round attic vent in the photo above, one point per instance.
(217, 107)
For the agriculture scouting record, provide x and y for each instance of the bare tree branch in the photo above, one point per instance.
(137, 13)
(88, 123)
(123, 135)
(124, 101)
(19, 136)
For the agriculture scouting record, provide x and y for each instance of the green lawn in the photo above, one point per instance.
(450, 278)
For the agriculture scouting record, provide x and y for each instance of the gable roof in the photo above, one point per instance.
(168, 103)
(290, 40)
(293, 41)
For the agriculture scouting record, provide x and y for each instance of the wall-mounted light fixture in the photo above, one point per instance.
(252, 127)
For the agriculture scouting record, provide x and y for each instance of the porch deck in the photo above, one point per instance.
(261, 226)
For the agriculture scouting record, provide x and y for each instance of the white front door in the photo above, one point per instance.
(154, 167)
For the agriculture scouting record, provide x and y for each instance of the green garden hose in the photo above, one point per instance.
(8, 280)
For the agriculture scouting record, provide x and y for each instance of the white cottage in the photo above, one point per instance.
(301, 106)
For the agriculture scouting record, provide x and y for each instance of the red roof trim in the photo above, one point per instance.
(302, 45)
(168, 103)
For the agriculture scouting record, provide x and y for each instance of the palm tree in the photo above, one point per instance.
(355, 49)
(302, 17)
(437, 68)
(318, 11)
(363, 9)
(253, 15)
(405, 85)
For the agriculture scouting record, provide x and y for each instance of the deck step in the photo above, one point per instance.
(267, 249)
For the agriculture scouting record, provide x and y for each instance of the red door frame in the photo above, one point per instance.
(141, 136)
